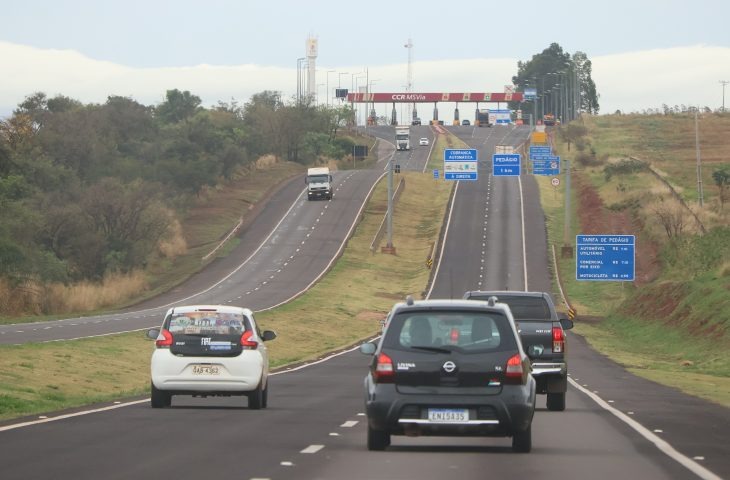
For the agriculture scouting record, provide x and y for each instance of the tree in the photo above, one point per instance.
(721, 176)
(178, 106)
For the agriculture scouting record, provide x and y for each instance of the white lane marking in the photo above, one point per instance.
(334, 434)
(312, 449)
(349, 424)
(360, 414)
(524, 247)
(662, 445)
(286, 464)
(70, 415)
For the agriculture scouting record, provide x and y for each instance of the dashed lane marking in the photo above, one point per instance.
(312, 449)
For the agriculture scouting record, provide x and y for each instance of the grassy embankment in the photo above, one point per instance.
(343, 308)
(674, 328)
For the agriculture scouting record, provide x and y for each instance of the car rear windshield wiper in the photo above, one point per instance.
(432, 349)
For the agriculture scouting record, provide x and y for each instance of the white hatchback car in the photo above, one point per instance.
(208, 350)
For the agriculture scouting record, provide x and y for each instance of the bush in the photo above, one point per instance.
(624, 167)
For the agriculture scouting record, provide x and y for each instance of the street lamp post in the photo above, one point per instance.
(723, 82)
(299, 79)
(328, 85)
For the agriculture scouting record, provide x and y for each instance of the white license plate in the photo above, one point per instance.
(448, 415)
(206, 370)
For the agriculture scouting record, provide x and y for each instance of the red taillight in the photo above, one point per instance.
(558, 340)
(384, 371)
(164, 339)
(514, 373)
(246, 341)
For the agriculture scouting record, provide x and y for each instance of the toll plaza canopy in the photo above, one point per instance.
(433, 97)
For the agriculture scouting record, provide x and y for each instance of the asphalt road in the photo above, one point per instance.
(314, 427)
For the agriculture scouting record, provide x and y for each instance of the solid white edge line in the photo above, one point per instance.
(524, 248)
(70, 415)
(662, 445)
(334, 258)
(443, 244)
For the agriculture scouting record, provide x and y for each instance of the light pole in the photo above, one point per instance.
(357, 79)
(723, 82)
(699, 162)
(299, 79)
(328, 85)
(371, 113)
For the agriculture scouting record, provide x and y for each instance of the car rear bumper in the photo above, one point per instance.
(489, 415)
(234, 374)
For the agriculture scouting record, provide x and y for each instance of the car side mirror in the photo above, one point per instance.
(566, 323)
(268, 335)
(367, 348)
(153, 333)
(330, 178)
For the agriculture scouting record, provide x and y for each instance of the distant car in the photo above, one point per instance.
(449, 368)
(423, 141)
(542, 331)
(466, 122)
(209, 350)
(416, 121)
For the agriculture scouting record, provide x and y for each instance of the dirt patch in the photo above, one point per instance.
(595, 218)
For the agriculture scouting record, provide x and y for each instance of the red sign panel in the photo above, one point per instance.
(433, 97)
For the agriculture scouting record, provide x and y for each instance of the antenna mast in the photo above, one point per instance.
(409, 83)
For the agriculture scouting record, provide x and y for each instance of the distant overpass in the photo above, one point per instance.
(410, 97)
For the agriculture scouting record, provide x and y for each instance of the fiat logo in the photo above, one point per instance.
(449, 366)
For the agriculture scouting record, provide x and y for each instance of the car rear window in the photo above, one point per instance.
(464, 331)
(523, 307)
(207, 323)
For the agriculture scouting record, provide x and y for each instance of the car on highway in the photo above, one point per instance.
(416, 121)
(423, 141)
(542, 332)
(209, 350)
(466, 122)
(449, 368)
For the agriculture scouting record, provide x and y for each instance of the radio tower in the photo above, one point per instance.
(409, 83)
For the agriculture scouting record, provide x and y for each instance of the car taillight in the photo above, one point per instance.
(246, 341)
(514, 373)
(558, 340)
(384, 371)
(164, 339)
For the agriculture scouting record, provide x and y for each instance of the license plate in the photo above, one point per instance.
(206, 370)
(448, 415)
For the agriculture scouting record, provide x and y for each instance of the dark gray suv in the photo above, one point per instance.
(449, 367)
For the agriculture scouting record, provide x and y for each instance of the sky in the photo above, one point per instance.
(645, 53)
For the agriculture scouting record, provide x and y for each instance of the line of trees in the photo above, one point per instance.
(87, 190)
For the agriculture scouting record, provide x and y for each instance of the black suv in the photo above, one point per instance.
(542, 331)
(449, 367)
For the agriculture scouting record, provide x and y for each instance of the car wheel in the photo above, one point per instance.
(256, 399)
(378, 440)
(159, 398)
(556, 402)
(522, 441)
(265, 396)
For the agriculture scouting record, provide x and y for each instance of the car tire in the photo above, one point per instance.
(159, 398)
(378, 440)
(556, 402)
(256, 399)
(265, 396)
(522, 441)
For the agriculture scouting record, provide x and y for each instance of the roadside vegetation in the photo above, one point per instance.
(636, 174)
(39, 378)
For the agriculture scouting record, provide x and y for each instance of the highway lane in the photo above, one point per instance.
(314, 429)
(284, 251)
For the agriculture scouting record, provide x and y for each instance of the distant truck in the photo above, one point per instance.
(548, 119)
(483, 118)
(403, 137)
(319, 183)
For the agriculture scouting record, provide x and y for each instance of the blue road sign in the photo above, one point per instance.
(506, 164)
(546, 165)
(605, 258)
(539, 150)
(460, 164)
(436, 173)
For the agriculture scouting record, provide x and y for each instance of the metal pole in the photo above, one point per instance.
(699, 163)
(723, 82)
(566, 231)
(390, 203)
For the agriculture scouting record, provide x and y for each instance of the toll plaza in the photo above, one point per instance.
(435, 98)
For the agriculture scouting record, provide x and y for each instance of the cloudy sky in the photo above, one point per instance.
(645, 52)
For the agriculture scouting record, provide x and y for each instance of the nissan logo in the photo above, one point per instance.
(449, 366)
